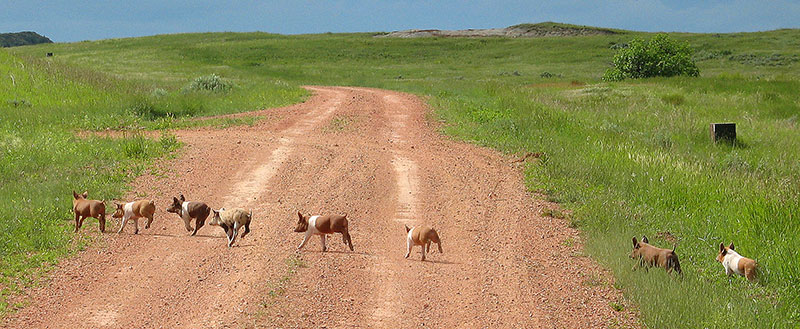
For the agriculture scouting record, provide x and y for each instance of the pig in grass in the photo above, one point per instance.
(649, 255)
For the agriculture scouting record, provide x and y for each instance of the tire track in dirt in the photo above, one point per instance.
(389, 303)
(251, 184)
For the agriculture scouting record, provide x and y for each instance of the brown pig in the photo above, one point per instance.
(135, 210)
(649, 256)
(323, 225)
(84, 208)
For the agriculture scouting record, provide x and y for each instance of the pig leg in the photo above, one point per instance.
(347, 240)
(322, 239)
(102, 219)
(186, 224)
(136, 225)
(198, 223)
(408, 247)
(229, 234)
(124, 221)
(308, 236)
(234, 233)
(149, 221)
(77, 222)
(246, 229)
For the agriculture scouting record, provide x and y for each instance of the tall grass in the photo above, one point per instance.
(630, 164)
(628, 158)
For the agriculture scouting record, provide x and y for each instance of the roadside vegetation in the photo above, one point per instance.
(626, 158)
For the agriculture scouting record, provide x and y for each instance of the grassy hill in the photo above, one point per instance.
(626, 158)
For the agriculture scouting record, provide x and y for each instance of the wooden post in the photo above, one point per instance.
(723, 132)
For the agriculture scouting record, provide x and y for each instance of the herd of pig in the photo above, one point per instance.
(649, 256)
(232, 220)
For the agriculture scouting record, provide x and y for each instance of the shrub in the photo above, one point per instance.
(546, 74)
(158, 92)
(660, 56)
(211, 82)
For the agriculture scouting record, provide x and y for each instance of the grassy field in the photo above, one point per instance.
(627, 158)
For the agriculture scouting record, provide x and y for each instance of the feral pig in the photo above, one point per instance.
(735, 263)
(422, 236)
(84, 208)
(323, 225)
(648, 256)
(135, 210)
(188, 210)
(231, 221)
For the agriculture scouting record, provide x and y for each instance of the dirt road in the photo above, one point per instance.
(374, 155)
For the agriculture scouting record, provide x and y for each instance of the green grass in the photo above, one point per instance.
(626, 159)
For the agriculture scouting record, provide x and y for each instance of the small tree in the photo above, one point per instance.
(661, 56)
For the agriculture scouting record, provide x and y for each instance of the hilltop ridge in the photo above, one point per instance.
(526, 30)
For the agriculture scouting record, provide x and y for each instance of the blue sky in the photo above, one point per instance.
(71, 20)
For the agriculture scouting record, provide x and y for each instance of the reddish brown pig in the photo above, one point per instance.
(135, 210)
(323, 225)
(84, 208)
(649, 256)
(421, 236)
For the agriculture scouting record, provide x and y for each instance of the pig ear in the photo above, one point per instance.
(182, 198)
(85, 194)
(300, 215)
(175, 200)
(408, 229)
(731, 246)
(635, 243)
(74, 195)
(644, 239)
(722, 247)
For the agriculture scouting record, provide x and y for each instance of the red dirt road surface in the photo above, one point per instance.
(374, 155)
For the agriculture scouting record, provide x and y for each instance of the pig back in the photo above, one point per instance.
(89, 208)
(331, 224)
(144, 208)
(423, 234)
(234, 215)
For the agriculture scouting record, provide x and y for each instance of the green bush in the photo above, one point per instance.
(211, 82)
(661, 56)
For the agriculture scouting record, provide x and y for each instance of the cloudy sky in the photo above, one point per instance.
(76, 20)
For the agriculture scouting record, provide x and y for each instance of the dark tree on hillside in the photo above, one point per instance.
(22, 39)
